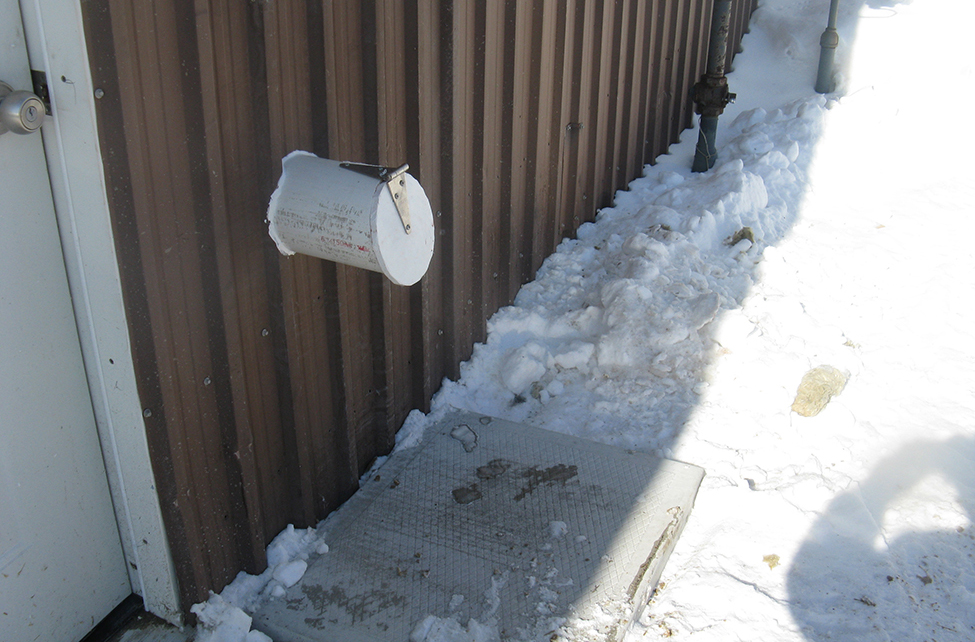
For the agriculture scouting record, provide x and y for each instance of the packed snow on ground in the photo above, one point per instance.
(833, 231)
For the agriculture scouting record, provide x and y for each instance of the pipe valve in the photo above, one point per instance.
(710, 95)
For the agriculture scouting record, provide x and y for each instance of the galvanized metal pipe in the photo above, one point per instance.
(711, 93)
(718, 42)
(828, 43)
(706, 151)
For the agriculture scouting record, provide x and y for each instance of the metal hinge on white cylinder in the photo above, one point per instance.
(395, 182)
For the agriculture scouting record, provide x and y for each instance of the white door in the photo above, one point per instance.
(61, 563)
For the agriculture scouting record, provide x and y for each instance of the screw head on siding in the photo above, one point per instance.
(265, 332)
(99, 93)
(206, 381)
(146, 413)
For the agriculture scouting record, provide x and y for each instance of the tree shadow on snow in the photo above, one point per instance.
(854, 579)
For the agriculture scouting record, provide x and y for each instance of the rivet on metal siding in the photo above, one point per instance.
(99, 93)
(265, 332)
(206, 381)
(440, 332)
(146, 413)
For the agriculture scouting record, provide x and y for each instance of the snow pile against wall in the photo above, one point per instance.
(222, 618)
(614, 334)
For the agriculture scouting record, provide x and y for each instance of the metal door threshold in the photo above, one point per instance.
(492, 530)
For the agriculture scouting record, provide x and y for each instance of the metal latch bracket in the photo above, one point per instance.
(395, 180)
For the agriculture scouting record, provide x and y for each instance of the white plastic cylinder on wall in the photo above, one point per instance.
(352, 214)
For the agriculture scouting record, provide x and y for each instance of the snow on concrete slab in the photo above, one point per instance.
(492, 530)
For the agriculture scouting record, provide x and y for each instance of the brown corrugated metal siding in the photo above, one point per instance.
(270, 383)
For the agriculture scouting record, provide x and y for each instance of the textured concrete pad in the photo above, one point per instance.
(492, 530)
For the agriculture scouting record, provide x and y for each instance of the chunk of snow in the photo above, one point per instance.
(290, 572)
(524, 366)
(557, 529)
(220, 621)
(575, 355)
(434, 629)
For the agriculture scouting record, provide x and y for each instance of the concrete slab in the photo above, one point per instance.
(492, 530)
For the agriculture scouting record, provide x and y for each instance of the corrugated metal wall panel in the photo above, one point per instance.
(271, 383)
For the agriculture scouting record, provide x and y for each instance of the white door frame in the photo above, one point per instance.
(56, 45)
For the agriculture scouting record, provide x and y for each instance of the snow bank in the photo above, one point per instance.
(620, 320)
